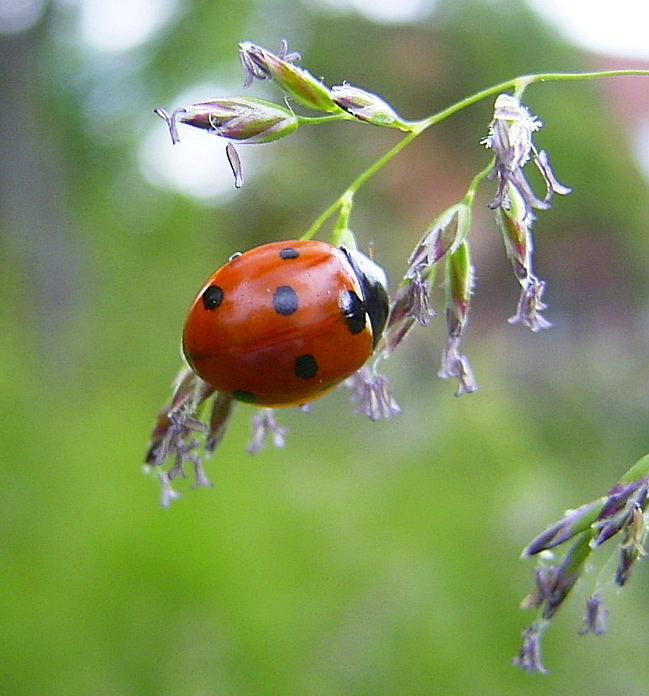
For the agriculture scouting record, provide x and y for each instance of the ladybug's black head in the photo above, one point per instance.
(373, 282)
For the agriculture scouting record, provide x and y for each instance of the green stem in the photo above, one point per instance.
(359, 181)
(315, 120)
(341, 228)
(519, 84)
(480, 176)
(417, 127)
(639, 470)
(542, 77)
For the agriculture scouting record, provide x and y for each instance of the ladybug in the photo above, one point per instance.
(283, 323)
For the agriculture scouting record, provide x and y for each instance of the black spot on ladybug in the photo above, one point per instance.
(285, 300)
(306, 367)
(353, 309)
(212, 297)
(289, 253)
(243, 395)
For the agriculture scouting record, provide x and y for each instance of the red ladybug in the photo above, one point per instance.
(284, 322)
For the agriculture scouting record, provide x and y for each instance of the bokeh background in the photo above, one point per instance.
(362, 558)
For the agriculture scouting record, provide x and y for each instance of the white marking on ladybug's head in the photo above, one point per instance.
(368, 267)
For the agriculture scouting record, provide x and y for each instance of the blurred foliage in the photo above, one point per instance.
(363, 558)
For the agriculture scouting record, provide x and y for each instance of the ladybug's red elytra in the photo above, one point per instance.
(281, 324)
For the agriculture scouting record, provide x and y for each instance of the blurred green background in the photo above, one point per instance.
(363, 558)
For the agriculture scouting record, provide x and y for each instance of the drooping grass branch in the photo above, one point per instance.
(185, 425)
